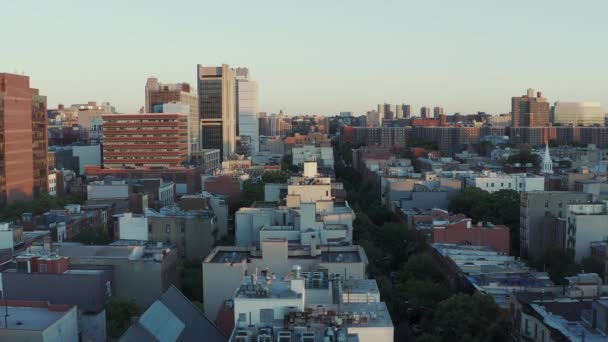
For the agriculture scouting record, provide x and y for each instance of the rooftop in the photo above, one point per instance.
(32, 315)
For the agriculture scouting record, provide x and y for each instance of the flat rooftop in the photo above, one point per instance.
(31, 318)
(336, 254)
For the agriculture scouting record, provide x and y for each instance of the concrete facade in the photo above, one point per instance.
(536, 236)
(132, 264)
(224, 267)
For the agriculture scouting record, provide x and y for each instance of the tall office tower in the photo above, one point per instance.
(23, 140)
(578, 114)
(247, 108)
(406, 110)
(425, 112)
(529, 110)
(398, 112)
(159, 139)
(385, 111)
(437, 111)
(158, 94)
(264, 126)
(217, 108)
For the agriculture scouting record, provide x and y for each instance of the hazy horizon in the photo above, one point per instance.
(314, 57)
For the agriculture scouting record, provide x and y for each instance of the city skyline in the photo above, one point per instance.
(320, 57)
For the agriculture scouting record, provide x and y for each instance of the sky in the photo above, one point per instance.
(314, 57)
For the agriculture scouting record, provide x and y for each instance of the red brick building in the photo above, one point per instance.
(145, 140)
(439, 226)
(23, 140)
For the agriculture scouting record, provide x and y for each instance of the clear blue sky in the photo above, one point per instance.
(315, 56)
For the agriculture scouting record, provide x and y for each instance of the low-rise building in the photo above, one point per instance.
(493, 181)
(484, 270)
(312, 306)
(324, 156)
(564, 316)
(46, 277)
(225, 266)
(460, 230)
(39, 321)
(132, 263)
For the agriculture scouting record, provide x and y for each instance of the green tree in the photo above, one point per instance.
(559, 263)
(524, 157)
(424, 293)
(474, 318)
(252, 192)
(119, 314)
(95, 236)
(420, 267)
(593, 265)
(275, 177)
(191, 279)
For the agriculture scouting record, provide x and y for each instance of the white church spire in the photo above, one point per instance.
(547, 165)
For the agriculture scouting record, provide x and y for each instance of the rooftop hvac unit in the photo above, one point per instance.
(242, 336)
(284, 336)
(264, 338)
(307, 337)
(265, 331)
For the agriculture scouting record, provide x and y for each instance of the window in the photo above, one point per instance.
(242, 317)
(43, 268)
(183, 227)
(168, 228)
(149, 228)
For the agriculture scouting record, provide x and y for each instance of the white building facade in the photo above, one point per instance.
(493, 181)
(247, 109)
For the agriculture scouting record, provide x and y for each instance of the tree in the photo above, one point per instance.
(473, 318)
(252, 192)
(593, 265)
(191, 279)
(559, 263)
(420, 267)
(275, 177)
(95, 236)
(119, 314)
(424, 294)
(524, 157)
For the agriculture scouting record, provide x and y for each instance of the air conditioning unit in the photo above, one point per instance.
(284, 336)
(242, 336)
(264, 338)
(307, 337)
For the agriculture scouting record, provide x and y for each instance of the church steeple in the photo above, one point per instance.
(547, 165)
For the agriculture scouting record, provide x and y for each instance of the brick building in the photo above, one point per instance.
(23, 140)
(145, 140)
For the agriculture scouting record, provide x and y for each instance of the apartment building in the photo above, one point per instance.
(145, 140)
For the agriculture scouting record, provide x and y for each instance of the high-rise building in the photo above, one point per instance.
(23, 140)
(217, 108)
(385, 111)
(529, 110)
(578, 114)
(425, 112)
(247, 108)
(158, 94)
(437, 111)
(406, 110)
(159, 139)
(398, 112)
(374, 119)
